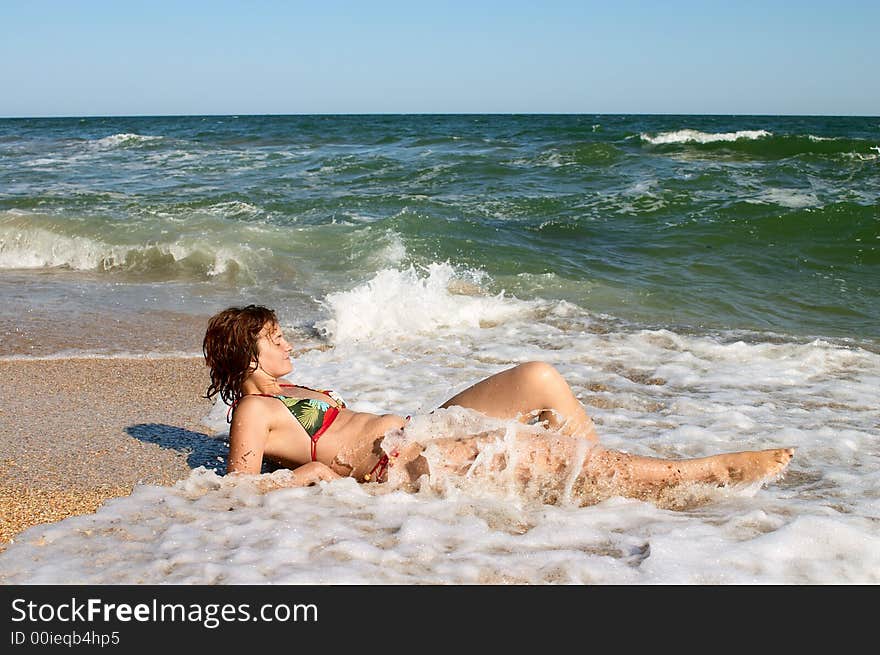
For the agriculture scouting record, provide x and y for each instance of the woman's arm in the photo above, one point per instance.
(247, 439)
(247, 442)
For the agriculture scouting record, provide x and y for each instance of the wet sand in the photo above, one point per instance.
(77, 431)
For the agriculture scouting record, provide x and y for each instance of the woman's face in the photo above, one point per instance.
(274, 351)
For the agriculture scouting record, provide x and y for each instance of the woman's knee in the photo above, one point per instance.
(539, 372)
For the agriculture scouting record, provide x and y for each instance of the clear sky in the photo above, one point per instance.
(161, 57)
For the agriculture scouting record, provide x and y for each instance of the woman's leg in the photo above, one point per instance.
(533, 388)
(556, 469)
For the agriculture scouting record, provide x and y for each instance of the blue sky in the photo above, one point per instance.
(88, 58)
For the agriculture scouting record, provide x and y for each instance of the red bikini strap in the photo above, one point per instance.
(382, 464)
(329, 416)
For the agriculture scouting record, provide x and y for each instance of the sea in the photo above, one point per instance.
(705, 284)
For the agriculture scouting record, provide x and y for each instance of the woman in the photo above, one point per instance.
(313, 432)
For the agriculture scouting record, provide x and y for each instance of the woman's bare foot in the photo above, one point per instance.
(750, 466)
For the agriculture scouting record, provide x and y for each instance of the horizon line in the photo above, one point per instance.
(487, 113)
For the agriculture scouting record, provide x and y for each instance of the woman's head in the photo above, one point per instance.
(240, 341)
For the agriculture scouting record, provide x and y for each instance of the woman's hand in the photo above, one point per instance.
(313, 473)
(306, 475)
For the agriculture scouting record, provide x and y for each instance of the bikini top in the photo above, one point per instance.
(311, 412)
(314, 415)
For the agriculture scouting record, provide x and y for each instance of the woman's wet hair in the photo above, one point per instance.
(230, 348)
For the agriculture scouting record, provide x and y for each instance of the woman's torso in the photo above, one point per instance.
(349, 445)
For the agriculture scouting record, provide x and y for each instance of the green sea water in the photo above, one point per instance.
(696, 223)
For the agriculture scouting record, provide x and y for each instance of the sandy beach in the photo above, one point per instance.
(103, 426)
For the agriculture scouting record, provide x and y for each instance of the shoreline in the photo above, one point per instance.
(76, 431)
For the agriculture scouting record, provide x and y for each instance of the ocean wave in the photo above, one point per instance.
(24, 245)
(863, 157)
(763, 144)
(695, 136)
(551, 158)
(860, 157)
(124, 139)
(379, 250)
(40, 248)
(235, 209)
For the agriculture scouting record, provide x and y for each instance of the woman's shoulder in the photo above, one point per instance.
(253, 408)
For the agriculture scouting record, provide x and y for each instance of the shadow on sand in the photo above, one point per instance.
(201, 449)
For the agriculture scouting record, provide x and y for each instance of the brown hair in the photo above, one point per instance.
(230, 347)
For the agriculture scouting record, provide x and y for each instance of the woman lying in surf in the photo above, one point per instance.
(554, 454)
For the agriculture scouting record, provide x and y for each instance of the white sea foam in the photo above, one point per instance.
(235, 209)
(123, 139)
(695, 136)
(398, 304)
(639, 197)
(45, 161)
(861, 157)
(552, 158)
(792, 198)
(169, 159)
(651, 392)
(641, 188)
